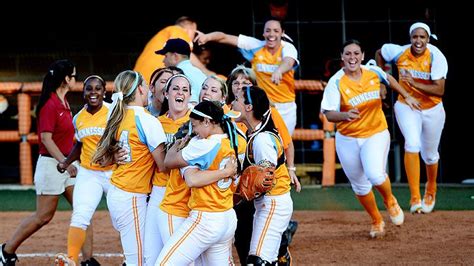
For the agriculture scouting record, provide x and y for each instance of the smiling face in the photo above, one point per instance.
(272, 33)
(157, 88)
(179, 93)
(201, 128)
(94, 92)
(419, 40)
(211, 91)
(352, 56)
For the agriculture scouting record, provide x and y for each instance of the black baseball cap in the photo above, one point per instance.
(179, 46)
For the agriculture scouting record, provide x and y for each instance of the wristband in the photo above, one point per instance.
(293, 168)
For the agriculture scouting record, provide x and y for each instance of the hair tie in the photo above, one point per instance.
(115, 98)
(248, 95)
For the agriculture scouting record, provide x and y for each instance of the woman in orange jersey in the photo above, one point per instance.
(352, 100)
(273, 61)
(92, 180)
(264, 146)
(423, 69)
(240, 77)
(156, 97)
(208, 231)
(141, 135)
(178, 94)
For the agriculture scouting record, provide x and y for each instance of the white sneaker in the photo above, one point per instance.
(416, 208)
(396, 213)
(62, 259)
(428, 203)
(377, 230)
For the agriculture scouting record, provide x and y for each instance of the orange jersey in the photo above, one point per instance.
(264, 64)
(139, 133)
(431, 65)
(89, 129)
(343, 94)
(170, 127)
(148, 61)
(210, 154)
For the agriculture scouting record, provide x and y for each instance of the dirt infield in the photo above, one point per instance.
(323, 237)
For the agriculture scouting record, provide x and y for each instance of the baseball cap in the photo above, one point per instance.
(179, 46)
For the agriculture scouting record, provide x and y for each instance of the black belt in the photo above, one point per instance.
(47, 155)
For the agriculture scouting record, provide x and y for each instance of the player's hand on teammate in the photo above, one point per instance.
(230, 168)
(200, 38)
(120, 156)
(352, 114)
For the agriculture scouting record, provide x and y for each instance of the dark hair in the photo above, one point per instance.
(99, 78)
(158, 72)
(165, 105)
(214, 110)
(349, 42)
(259, 100)
(53, 79)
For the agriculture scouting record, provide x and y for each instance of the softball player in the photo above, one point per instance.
(92, 180)
(422, 69)
(240, 77)
(352, 100)
(178, 93)
(273, 61)
(272, 211)
(202, 234)
(141, 134)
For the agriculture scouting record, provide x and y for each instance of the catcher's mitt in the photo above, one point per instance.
(255, 181)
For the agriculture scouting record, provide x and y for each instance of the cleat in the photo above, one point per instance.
(62, 259)
(396, 213)
(90, 262)
(428, 203)
(377, 230)
(415, 207)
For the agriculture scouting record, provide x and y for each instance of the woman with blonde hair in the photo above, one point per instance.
(141, 135)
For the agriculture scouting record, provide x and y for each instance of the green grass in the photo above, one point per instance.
(330, 198)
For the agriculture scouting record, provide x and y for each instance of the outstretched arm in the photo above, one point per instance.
(216, 36)
(285, 66)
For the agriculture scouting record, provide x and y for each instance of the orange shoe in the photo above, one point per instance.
(377, 230)
(428, 203)
(396, 213)
(62, 259)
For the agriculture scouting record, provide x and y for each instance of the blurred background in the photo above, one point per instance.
(107, 40)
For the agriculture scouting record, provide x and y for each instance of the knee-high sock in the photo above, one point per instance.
(75, 240)
(412, 169)
(432, 175)
(385, 189)
(368, 201)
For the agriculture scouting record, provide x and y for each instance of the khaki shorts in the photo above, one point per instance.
(48, 181)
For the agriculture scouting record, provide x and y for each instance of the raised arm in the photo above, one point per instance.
(195, 177)
(216, 36)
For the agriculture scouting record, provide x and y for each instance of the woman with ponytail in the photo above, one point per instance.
(56, 140)
(135, 130)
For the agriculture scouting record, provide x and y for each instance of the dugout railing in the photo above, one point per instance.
(26, 138)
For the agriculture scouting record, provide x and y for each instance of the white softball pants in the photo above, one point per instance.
(88, 191)
(421, 130)
(364, 159)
